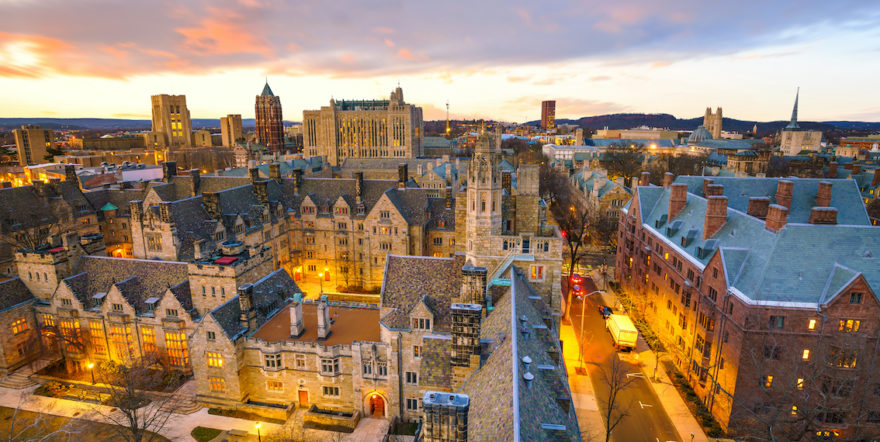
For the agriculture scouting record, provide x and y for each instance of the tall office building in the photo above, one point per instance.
(32, 142)
(270, 130)
(364, 129)
(230, 129)
(171, 123)
(548, 114)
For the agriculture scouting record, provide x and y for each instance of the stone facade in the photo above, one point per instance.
(31, 143)
(712, 122)
(230, 130)
(364, 129)
(172, 126)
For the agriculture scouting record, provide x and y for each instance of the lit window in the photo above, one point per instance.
(806, 354)
(217, 384)
(537, 272)
(148, 338)
(812, 325)
(178, 353)
(768, 381)
(300, 361)
(794, 410)
(19, 326)
(417, 351)
(849, 325)
(275, 385)
(215, 360)
(800, 383)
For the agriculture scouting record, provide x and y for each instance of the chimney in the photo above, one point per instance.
(169, 169)
(358, 187)
(784, 193)
(758, 206)
(848, 166)
(248, 317)
(402, 175)
(777, 216)
(706, 183)
(473, 284)
(275, 171)
(254, 174)
(506, 182)
(449, 200)
(136, 210)
(714, 190)
(196, 176)
(823, 215)
(297, 180)
(832, 169)
(668, 178)
(261, 191)
(323, 319)
(677, 199)
(634, 182)
(645, 178)
(70, 174)
(856, 169)
(448, 169)
(297, 327)
(716, 214)
(823, 194)
(211, 201)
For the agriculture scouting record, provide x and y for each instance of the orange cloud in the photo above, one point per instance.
(389, 43)
(407, 55)
(347, 58)
(219, 37)
(29, 55)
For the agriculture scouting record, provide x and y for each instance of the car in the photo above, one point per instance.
(605, 311)
(576, 279)
(577, 290)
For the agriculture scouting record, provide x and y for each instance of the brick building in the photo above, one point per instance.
(763, 290)
(270, 126)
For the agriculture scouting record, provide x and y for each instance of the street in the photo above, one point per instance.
(646, 420)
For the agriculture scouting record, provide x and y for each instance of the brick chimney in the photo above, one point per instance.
(254, 174)
(784, 189)
(777, 216)
(261, 191)
(297, 326)
(714, 190)
(70, 174)
(823, 194)
(323, 319)
(248, 318)
(211, 201)
(823, 215)
(832, 169)
(716, 214)
(297, 180)
(275, 171)
(402, 176)
(449, 199)
(876, 181)
(645, 178)
(506, 182)
(169, 169)
(677, 199)
(706, 183)
(758, 206)
(668, 178)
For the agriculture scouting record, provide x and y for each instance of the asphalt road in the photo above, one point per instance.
(646, 419)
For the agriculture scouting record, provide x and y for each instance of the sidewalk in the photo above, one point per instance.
(585, 406)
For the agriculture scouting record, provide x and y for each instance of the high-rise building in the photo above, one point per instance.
(171, 123)
(364, 129)
(712, 122)
(230, 129)
(270, 130)
(32, 142)
(548, 114)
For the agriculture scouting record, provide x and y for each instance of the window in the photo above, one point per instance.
(154, 242)
(768, 381)
(272, 361)
(148, 339)
(843, 358)
(117, 307)
(19, 326)
(438, 241)
(417, 351)
(382, 369)
(341, 211)
(777, 322)
(48, 320)
(412, 404)
(384, 214)
(215, 360)
(715, 273)
(178, 354)
(421, 324)
(849, 325)
(800, 384)
(330, 366)
(173, 312)
(274, 385)
(412, 377)
(96, 330)
(537, 272)
(300, 361)
(210, 336)
(217, 384)
(384, 230)
(341, 226)
(855, 298)
(385, 246)
(121, 341)
(772, 352)
(331, 391)
(806, 354)
(794, 410)
(713, 294)
(811, 325)
(70, 334)
(368, 368)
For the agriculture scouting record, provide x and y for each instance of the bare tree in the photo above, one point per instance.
(133, 390)
(553, 184)
(623, 160)
(573, 221)
(39, 428)
(35, 228)
(615, 378)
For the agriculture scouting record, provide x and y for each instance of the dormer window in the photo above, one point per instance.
(421, 324)
(341, 211)
(308, 210)
(117, 307)
(171, 312)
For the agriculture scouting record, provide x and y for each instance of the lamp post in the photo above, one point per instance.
(321, 280)
(91, 365)
(259, 437)
(583, 299)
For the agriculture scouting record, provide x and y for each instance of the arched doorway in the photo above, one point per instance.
(376, 405)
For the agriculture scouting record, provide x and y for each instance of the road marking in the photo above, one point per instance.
(637, 375)
(644, 405)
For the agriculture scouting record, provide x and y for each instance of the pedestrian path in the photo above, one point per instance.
(586, 406)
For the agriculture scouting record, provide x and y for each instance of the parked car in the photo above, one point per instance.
(578, 290)
(605, 311)
(576, 279)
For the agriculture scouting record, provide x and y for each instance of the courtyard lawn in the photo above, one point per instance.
(76, 429)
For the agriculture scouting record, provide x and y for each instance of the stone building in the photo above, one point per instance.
(713, 121)
(599, 193)
(172, 126)
(764, 293)
(795, 139)
(32, 143)
(270, 126)
(230, 130)
(364, 129)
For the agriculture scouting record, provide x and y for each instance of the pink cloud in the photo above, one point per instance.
(405, 54)
(389, 43)
(347, 58)
(215, 36)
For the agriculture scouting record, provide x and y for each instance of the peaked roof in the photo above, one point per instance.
(267, 91)
(13, 292)
(405, 285)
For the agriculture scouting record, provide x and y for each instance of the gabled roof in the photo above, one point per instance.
(14, 292)
(405, 285)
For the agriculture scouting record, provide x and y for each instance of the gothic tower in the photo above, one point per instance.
(270, 129)
(712, 122)
(484, 194)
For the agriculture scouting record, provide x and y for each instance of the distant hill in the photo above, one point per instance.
(110, 123)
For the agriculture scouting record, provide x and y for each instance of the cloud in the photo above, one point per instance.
(389, 43)
(600, 78)
(566, 108)
(407, 55)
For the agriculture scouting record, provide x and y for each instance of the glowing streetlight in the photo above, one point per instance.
(91, 366)
(259, 437)
(321, 280)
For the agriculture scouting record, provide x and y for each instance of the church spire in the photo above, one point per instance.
(793, 124)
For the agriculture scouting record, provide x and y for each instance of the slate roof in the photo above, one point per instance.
(435, 370)
(136, 279)
(270, 294)
(439, 213)
(405, 284)
(119, 198)
(411, 203)
(13, 292)
(321, 190)
(585, 180)
(228, 317)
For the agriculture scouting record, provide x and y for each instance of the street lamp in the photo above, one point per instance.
(91, 365)
(259, 437)
(321, 280)
(583, 299)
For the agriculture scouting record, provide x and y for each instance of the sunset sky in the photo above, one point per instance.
(489, 58)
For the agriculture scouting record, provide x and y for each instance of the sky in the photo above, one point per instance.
(488, 58)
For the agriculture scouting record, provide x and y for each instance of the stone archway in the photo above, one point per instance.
(375, 405)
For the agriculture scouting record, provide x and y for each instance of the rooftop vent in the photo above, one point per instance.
(528, 378)
(674, 228)
(658, 223)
